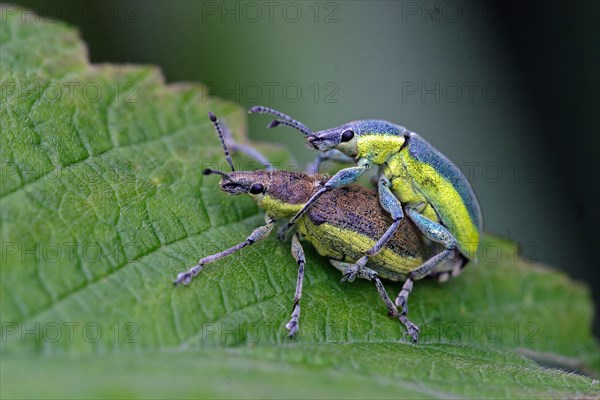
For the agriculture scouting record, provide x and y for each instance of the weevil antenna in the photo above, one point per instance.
(215, 122)
(209, 171)
(277, 122)
(291, 122)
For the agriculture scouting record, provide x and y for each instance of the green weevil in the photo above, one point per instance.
(342, 225)
(414, 179)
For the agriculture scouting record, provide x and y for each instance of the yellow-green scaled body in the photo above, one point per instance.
(420, 174)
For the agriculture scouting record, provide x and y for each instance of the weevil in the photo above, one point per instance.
(414, 179)
(342, 224)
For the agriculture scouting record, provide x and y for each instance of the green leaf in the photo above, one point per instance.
(103, 203)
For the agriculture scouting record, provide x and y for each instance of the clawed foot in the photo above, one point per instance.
(350, 273)
(184, 278)
(412, 329)
(292, 326)
(402, 304)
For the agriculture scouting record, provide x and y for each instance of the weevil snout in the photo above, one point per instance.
(325, 140)
(245, 182)
(233, 188)
(342, 138)
(230, 183)
(319, 144)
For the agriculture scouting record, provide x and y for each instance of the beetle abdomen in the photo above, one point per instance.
(346, 222)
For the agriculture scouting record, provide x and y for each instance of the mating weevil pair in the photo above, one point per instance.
(343, 224)
(415, 180)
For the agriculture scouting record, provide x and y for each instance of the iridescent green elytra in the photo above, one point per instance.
(342, 225)
(415, 180)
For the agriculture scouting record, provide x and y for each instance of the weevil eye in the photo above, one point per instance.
(257, 188)
(347, 136)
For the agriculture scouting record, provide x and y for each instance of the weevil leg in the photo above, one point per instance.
(372, 276)
(349, 271)
(298, 253)
(437, 233)
(331, 155)
(416, 274)
(402, 299)
(343, 177)
(402, 303)
(251, 152)
(259, 233)
(429, 265)
(433, 230)
(369, 274)
(391, 204)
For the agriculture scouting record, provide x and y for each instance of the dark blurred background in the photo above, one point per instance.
(508, 90)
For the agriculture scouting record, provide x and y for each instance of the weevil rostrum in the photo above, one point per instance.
(414, 179)
(342, 225)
